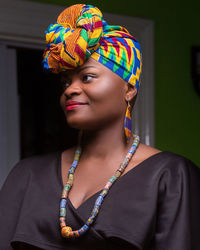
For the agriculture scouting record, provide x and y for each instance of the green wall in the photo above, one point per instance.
(177, 104)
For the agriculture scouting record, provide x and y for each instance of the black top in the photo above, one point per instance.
(154, 206)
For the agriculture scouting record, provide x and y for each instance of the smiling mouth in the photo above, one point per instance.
(71, 105)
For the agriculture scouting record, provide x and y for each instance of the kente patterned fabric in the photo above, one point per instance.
(128, 123)
(80, 32)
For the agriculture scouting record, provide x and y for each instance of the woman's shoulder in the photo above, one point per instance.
(144, 152)
(34, 164)
(32, 169)
(164, 159)
(38, 160)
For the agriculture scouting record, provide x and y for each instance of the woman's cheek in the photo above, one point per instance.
(62, 102)
(100, 93)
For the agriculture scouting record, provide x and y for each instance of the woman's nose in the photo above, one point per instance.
(74, 88)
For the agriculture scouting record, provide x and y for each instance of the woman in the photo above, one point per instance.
(144, 199)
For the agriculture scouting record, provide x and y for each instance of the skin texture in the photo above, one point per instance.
(104, 96)
(102, 92)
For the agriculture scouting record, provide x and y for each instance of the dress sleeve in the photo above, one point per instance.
(11, 198)
(178, 215)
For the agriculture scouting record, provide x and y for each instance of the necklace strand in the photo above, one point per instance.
(67, 231)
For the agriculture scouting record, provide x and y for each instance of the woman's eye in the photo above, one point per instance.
(87, 78)
(65, 84)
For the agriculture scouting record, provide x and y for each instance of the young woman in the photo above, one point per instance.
(110, 191)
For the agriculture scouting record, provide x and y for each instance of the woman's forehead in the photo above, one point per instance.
(89, 64)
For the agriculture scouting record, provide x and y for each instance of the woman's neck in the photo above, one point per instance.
(103, 144)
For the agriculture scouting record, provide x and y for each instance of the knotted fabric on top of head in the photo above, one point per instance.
(79, 33)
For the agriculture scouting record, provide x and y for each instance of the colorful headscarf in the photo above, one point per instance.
(80, 32)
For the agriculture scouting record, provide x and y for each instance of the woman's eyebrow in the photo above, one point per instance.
(78, 70)
(85, 67)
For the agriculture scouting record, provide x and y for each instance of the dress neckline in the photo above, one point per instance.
(129, 172)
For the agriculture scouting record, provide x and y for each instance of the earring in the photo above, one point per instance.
(128, 123)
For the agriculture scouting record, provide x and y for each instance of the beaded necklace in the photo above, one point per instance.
(66, 231)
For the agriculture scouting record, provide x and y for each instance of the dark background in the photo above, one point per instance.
(43, 127)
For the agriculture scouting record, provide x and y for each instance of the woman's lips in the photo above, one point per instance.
(70, 105)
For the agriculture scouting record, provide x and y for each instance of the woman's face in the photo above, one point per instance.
(93, 97)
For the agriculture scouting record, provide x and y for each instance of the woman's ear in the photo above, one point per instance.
(130, 93)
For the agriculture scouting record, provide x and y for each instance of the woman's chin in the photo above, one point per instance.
(78, 124)
(82, 125)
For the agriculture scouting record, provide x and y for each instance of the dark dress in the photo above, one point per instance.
(154, 206)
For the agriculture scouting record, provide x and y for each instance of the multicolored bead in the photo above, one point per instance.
(66, 231)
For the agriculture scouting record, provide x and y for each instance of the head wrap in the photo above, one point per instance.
(79, 33)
